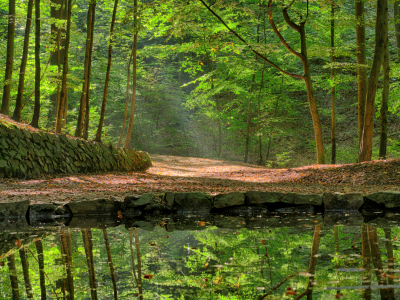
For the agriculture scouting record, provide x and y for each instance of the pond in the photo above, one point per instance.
(303, 256)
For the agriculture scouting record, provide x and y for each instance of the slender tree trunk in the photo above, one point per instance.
(5, 104)
(385, 91)
(36, 110)
(219, 127)
(65, 70)
(365, 153)
(87, 111)
(82, 106)
(361, 68)
(366, 257)
(259, 117)
(103, 105)
(127, 143)
(396, 9)
(248, 122)
(25, 269)
(56, 56)
(127, 100)
(39, 250)
(21, 81)
(132, 259)
(88, 245)
(333, 92)
(110, 263)
(13, 276)
(270, 132)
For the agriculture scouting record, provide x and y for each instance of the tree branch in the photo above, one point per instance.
(278, 285)
(250, 47)
(278, 34)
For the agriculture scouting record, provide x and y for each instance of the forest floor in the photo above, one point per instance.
(190, 174)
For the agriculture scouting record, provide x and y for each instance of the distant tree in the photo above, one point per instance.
(5, 104)
(385, 90)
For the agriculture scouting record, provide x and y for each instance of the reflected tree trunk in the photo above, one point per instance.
(13, 276)
(377, 261)
(313, 263)
(39, 250)
(25, 269)
(139, 263)
(65, 237)
(88, 245)
(132, 257)
(366, 257)
(389, 250)
(110, 263)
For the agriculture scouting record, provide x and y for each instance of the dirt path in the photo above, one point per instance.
(188, 174)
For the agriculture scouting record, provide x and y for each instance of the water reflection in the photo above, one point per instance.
(308, 261)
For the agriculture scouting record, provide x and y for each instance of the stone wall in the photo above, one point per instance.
(26, 154)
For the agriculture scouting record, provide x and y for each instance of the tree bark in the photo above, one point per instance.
(127, 143)
(65, 238)
(21, 81)
(389, 251)
(103, 105)
(65, 70)
(127, 100)
(39, 250)
(248, 122)
(36, 109)
(396, 10)
(13, 276)
(5, 104)
(82, 106)
(361, 65)
(365, 153)
(385, 90)
(333, 92)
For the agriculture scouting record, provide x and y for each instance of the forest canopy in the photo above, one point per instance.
(273, 82)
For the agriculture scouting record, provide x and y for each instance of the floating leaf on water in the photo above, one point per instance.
(202, 223)
(148, 276)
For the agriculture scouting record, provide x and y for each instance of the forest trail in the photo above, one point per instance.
(189, 174)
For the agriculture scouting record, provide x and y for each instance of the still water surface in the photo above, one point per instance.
(309, 261)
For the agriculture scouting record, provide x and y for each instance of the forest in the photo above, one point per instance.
(278, 83)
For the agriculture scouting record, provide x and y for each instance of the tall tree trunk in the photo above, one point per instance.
(65, 69)
(25, 269)
(127, 100)
(39, 250)
(385, 90)
(13, 276)
(333, 92)
(82, 105)
(88, 245)
(366, 257)
(127, 143)
(110, 263)
(219, 126)
(396, 10)
(103, 105)
(57, 56)
(5, 104)
(361, 65)
(87, 110)
(365, 153)
(259, 117)
(36, 110)
(21, 81)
